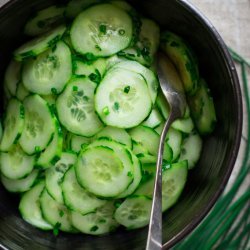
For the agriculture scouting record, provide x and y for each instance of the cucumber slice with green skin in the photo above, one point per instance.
(137, 178)
(13, 124)
(134, 212)
(39, 125)
(116, 134)
(75, 197)
(21, 92)
(99, 170)
(75, 7)
(149, 139)
(49, 72)
(119, 99)
(75, 108)
(183, 58)
(54, 175)
(55, 213)
(139, 149)
(173, 182)
(97, 68)
(53, 151)
(29, 207)
(174, 139)
(202, 109)
(122, 5)
(94, 32)
(147, 158)
(148, 75)
(78, 142)
(40, 44)
(154, 119)
(97, 223)
(21, 185)
(15, 164)
(12, 76)
(146, 188)
(44, 20)
(191, 150)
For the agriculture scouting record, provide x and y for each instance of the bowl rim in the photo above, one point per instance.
(228, 61)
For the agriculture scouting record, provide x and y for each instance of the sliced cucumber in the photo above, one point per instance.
(116, 134)
(78, 142)
(75, 197)
(29, 207)
(21, 92)
(53, 151)
(94, 32)
(122, 5)
(99, 170)
(119, 98)
(55, 213)
(191, 150)
(13, 124)
(21, 185)
(183, 58)
(134, 212)
(39, 125)
(202, 109)
(99, 222)
(154, 119)
(173, 182)
(148, 75)
(75, 108)
(38, 45)
(15, 164)
(147, 158)
(12, 76)
(44, 20)
(54, 175)
(139, 149)
(49, 72)
(149, 139)
(147, 188)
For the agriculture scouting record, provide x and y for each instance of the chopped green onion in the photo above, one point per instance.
(94, 228)
(126, 89)
(121, 32)
(75, 88)
(103, 28)
(105, 111)
(116, 106)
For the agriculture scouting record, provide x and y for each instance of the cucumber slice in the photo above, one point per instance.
(119, 99)
(134, 212)
(173, 182)
(154, 119)
(44, 20)
(139, 149)
(54, 175)
(15, 164)
(122, 5)
(12, 76)
(39, 125)
(202, 109)
(75, 7)
(147, 158)
(148, 75)
(78, 142)
(21, 185)
(13, 124)
(191, 150)
(97, 223)
(29, 207)
(75, 108)
(183, 58)
(21, 92)
(147, 188)
(49, 72)
(53, 151)
(149, 140)
(39, 45)
(116, 134)
(99, 170)
(55, 213)
(94, 32)
(75, 197)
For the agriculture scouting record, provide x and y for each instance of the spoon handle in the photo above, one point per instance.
(154, 241)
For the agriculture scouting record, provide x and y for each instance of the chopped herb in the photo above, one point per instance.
(75, 88)
(102, 221)
(56, 228)
(94, 229)
(103, 28)
(37, 149)
(98, 47)
(22, 111)
(121, 32)
(126, 89)
(105, 111)
(117, 204)
(116, 106)
(84, 145)
(95, 77)
(61, 213)
(129, 174)
(165, 165)
(54, 91)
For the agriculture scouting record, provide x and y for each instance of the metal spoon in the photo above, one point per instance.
(172, 89)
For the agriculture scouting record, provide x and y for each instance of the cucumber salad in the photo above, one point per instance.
(84, 114)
